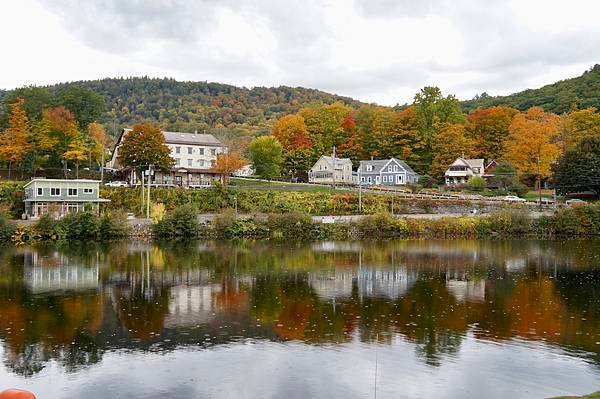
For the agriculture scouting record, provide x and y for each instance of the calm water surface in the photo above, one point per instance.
(399, 319)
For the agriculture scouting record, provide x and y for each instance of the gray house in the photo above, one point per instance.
(386, 172)
(59, 197)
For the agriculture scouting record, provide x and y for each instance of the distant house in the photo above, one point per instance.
(387, 172)
(193, 153)
(323, 171)
(59, 197)
(462, 170)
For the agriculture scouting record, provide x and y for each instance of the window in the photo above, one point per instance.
(369, 168)
(190, 162)
(190, 150)
(201, 151)
(390, 168)
(362, 178)
(72, 192)
(177, 161)
(40, 191)
(201, 162)
(88, 191)
(395, 168)
(213, 151)
(385, 178)
(369, 179)
(177, 150)
(55, 192)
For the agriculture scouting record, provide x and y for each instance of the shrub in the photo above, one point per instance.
(45, 228)
(426, 181)
(476, 183)
(182, 222)
(78, 226)
(517, 188)
(113, 224)
(382, 225)
(294, 225)
(157, 213)
(7, 228)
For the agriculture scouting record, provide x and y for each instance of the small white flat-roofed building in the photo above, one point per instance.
(58, 197)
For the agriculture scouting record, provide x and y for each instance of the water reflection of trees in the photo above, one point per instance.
(430, 293)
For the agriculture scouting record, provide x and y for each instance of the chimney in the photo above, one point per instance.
(196, 131)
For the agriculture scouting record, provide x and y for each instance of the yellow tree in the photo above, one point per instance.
(14, 141)
(447, 144)
(99, 140)
(578, 125)
(531, 147)
(76, 152)
(292, 133)
(226, 164)
(57, 129)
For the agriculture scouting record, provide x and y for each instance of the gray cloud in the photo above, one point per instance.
(369, 49)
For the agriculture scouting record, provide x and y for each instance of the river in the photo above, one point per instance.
(394, 319)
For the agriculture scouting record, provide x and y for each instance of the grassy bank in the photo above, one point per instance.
(569, 222)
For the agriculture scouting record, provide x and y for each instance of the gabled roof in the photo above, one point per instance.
(339, 162)
(471, 163)
(380, 164)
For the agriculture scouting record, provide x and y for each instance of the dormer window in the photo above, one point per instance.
(369, 168)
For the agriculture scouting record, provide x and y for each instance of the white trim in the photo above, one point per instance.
(72, 195)
(55, 188)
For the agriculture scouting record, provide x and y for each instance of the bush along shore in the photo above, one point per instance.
(182, 223)
(582, 221)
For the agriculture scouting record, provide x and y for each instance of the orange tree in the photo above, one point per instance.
(145, 145)
(227, 163)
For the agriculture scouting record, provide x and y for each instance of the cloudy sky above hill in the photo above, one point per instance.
(374, 50)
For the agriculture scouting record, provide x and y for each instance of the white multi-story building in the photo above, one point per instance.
(194, 155)
(462, 170)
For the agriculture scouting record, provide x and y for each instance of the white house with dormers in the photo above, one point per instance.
(323, 171)
(386, 172)
(193, 153)
(462, 170)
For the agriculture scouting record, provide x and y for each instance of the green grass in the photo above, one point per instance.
(533, 195)
(260, 185)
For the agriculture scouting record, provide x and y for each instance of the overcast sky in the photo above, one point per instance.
(373, 50)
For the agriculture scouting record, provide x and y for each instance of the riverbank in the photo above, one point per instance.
(185, 222)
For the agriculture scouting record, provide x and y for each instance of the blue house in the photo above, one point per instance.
(386, 172)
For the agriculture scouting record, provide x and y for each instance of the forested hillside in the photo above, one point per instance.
(581, 92)
(194, 105)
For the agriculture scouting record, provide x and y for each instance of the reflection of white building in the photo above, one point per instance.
(56, 273)
(515, 264)
(467, 290)
(388, 283)
(191, 305)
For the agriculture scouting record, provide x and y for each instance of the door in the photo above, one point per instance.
(377, 180)
(178, 180)
(398, 179)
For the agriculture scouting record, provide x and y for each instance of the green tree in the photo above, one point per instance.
(267, 156)
(504, 177)
(145, 145)
(579, 168)
(35, 100)
(87, 105)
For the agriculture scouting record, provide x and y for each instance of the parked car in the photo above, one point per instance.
(514, 198)
(130, 216)
(117, 184)
(575, 202)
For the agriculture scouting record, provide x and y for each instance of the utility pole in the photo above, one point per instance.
(102, 167)
(150, 170)
(333, 168)
(359, 192)
(142, 185)
(539, 181)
